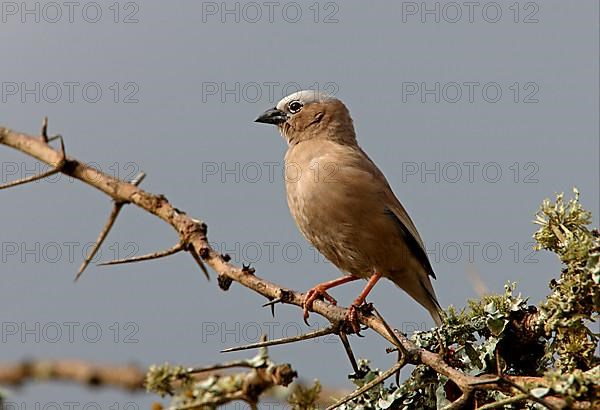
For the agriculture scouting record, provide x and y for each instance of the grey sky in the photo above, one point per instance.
(180, 89)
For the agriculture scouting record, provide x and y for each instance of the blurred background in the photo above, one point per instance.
(475, 113)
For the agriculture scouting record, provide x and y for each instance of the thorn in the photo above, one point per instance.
(154, 255)
(310, 335)
(398, 344)
(138, 178)
(117, 206)
(220, 366)
(403, 354)
(30, 179)
(248, 269)
(261, 360)
(350, 353)
(272, 302)
(366, 387)
(57, 168)
(44, 132)
(54, 137)
(196, 257)
(397, 378)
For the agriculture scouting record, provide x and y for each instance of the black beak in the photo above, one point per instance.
(272, 116)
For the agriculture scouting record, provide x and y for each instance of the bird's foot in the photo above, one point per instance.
(319, 291)
(351, 319)
(351, 322)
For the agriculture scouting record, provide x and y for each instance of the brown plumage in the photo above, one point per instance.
(344, 206)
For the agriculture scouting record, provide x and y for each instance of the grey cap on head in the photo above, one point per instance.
(305, 97)
(284, 108)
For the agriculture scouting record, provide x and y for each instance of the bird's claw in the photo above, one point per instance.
(313, 294)
(351, 322)
(351, 319)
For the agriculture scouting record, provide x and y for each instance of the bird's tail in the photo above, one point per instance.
(432, 305)
(437, 316)
(422, 291)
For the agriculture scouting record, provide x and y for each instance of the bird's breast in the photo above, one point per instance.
(321, 203)
(337, 198)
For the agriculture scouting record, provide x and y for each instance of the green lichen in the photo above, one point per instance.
(496, 334)
(577, 384)
(161, 379)
(563, 228)
(418, 392)
(305, 398)
(504, 333)
(575, 299)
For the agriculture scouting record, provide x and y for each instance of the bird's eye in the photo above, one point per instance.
(295, 106)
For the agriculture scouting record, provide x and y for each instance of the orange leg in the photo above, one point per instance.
(352, 315)
(321, 290)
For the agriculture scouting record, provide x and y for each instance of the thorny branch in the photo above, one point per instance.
(193, 235)
(117, 206)
(127, 377)
(263, 375)
(218, 389)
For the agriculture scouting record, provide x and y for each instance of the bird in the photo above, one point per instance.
(344, 206)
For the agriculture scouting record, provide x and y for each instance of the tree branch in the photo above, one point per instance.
(126, 377)
(193, 234)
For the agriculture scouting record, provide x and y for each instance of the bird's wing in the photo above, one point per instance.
(407, 229)
(399, 216)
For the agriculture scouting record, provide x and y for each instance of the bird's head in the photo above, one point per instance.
(311, 114)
